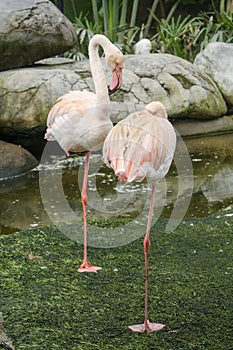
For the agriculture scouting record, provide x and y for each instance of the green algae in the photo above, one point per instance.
(47, 304)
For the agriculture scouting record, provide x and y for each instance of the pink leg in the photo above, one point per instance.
(85, 267)
(147, 327)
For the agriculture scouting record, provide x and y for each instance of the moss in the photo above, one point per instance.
(106, 222)
(47, 304)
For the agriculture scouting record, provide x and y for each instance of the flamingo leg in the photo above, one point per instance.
(147, 327)
(85, 267)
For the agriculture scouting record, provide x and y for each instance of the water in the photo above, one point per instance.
(22, 207)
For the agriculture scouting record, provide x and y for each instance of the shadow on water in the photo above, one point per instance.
(21, 205)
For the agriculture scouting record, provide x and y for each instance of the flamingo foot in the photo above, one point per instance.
(85, 267)
(147, 327)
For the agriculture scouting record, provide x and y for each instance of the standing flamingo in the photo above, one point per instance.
(142, 145)
(80, 120)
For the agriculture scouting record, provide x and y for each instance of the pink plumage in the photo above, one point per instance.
(142, 146)
(80, 120)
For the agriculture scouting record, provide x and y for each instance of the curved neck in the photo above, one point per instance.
(97, 71)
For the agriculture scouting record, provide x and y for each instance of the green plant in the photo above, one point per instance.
(225, 7)
(214, 28)
(173, 36)
(129, 37)
(185, 37)
(153, 10)
(85, 29)
(109, 19)
(177, 35)
(111, 16)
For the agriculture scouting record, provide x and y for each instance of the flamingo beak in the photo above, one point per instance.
(116, 80)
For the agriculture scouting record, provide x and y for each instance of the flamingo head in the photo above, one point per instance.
(157, 108)
(115, 60)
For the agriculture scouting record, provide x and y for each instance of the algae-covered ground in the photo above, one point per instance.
(47, 304)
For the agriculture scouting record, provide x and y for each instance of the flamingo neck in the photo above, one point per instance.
(97, 71)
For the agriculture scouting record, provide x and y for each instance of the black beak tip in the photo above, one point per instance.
(110, 92)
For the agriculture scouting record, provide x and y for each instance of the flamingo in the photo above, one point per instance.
(79, 121)
(142, 145)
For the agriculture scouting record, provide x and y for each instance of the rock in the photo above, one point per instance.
(204, 127)
(31, 30)
(143, 46)
(216, 60)
(28, 94)
(185, 90)
(54, 61)
(15, 160)
(5, 341)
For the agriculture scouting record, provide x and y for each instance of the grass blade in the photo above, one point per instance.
(95, 12)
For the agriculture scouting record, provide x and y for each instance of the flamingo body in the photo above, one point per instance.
(77, 123)
(80, 120)
(142, 145)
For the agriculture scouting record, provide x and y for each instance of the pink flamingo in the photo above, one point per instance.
(142, 145)
(80, 120)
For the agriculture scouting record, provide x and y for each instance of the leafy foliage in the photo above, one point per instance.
(186, 37)
(85, 31)
(177, 35)
(109, 19)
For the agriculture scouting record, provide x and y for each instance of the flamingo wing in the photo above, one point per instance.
(74, 102)
(65, 122)
(142, 145)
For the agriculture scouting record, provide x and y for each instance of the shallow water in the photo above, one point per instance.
(23, 199)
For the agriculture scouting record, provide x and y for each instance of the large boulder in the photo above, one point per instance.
(183, 88)
(27, 94)
(15, 160)
(31, 30)
(216, 60)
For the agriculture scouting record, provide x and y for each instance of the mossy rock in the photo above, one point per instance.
(15, 160)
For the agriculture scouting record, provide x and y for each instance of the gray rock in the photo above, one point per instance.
(27, 95)
(31, 30)
(183, 88)
(204, 127)
(14, 160)
(143, 46)
(217, 61)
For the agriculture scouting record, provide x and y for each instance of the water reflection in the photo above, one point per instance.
(21, 205)
(213, 169)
